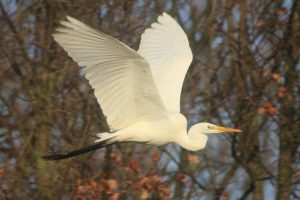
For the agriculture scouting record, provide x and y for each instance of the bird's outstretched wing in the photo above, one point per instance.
(121, 78)
(166, 47)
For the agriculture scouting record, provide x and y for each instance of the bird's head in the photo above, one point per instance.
(198, 135)
(208, 128)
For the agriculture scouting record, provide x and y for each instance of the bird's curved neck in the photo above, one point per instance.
(193, 141)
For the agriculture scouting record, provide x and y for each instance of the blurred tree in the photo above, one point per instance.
(245, 73)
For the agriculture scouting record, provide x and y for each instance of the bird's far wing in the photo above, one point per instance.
(121, 78)
(165, 46)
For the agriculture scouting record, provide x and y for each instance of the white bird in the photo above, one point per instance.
(138, 91)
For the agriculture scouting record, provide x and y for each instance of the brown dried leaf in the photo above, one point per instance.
(128, 182)
(180, 177)
(116, 157)
(112, 184)
(156, 178)
(258, 23)
(281, 11)
(281, 91)
(165, 192)
(134, 165)
(272, 111)
(192, 158)
(115, 196)
(267, 105)
(276, 76)
(144, 195)
(92, 184)
(269, 108)
(154, 156)
(225, 196)
(261, 111)
(80, 189)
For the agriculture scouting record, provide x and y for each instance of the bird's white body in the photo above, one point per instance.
(156, 132)
(159, 132)
(138, 91)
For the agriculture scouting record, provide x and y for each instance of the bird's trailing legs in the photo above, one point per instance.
(63, 155)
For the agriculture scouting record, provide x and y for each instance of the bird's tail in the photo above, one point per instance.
(105, 139)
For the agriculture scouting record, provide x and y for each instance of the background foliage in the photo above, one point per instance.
(245, 74)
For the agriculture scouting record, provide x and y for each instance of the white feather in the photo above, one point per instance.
(166, 47)
(121, 78)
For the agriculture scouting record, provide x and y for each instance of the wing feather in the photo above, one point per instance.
(166, 48)
(121, 78)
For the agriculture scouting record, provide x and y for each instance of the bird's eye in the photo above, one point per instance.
(209, 127)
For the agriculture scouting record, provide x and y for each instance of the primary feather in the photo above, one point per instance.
(121, 78)
(166, 47)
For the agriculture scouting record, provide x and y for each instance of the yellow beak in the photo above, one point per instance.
(224, 129)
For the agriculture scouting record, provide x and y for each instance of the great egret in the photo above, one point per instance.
(138, 91)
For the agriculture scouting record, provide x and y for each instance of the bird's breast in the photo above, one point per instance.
(167, 130)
